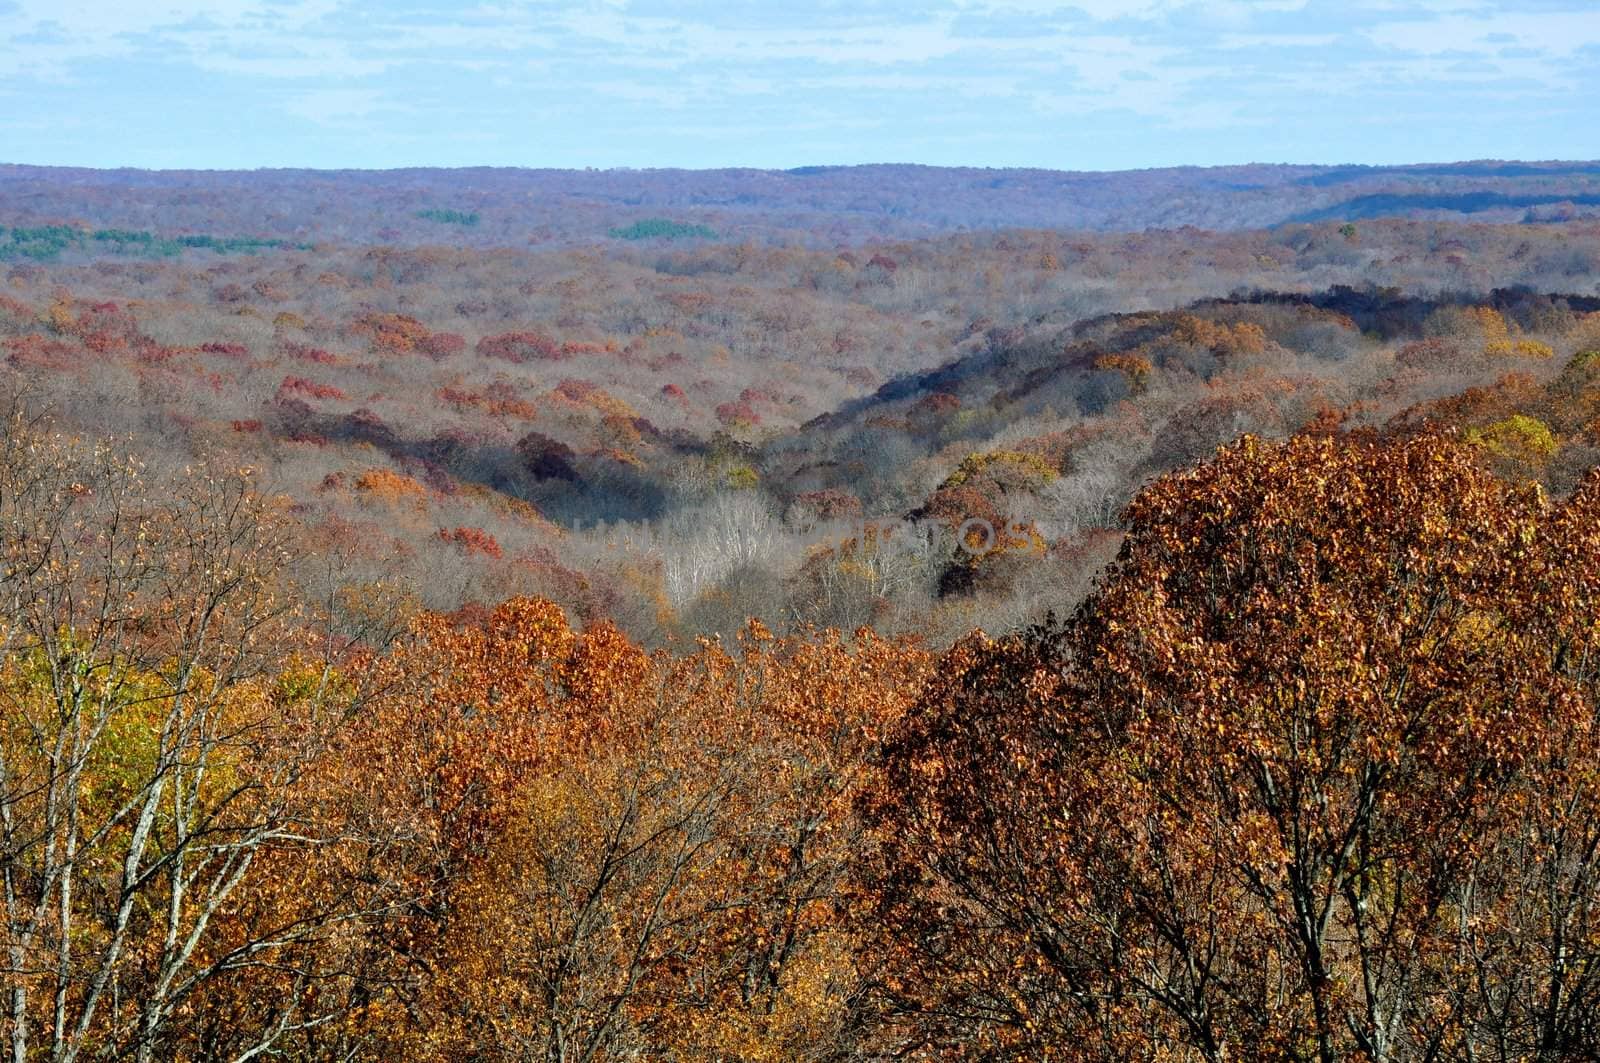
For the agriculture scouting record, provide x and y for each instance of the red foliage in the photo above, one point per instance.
(16, 310)
(591, 599)
(830, 504)
(953, 506)
(931, 409)
(737, 413)
(37, 352)
(232, 350)
(150, 353)
(296, 385)
(576, 390)
(367, 426)
(458, 398)
(248, 426)
(472, 541)
(1512, 393)
(104, 342)
(310, 354)
(472, 614)
(442, 345)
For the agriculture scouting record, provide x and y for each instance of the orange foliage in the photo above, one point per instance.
(1221, 339)
(1333, 676)
(616, 841)
(387, 485)
(394, 333)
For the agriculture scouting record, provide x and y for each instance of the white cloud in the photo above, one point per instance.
(82, 31)
(1557, 34)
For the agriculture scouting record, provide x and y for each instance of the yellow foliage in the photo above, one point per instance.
(1491, 323)
(1135, 367)
(742, 477)
(60, 317)
(1518, 438)
(999, 461)
(1518, 349)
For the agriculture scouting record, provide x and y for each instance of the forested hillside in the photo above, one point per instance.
(836, 615)
(678, 437)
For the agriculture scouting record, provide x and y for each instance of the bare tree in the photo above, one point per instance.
(146, 764)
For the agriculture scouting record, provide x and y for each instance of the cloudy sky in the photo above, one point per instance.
(1100, 84)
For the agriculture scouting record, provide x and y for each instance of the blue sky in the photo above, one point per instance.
(1101, 84)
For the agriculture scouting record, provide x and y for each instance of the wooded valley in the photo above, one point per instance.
(838, 615)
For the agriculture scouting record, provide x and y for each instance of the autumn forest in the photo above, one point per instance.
(839, 614)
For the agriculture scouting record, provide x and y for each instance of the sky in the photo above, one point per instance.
(1096, 85)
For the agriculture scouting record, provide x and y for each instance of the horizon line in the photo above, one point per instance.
(817, 167)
